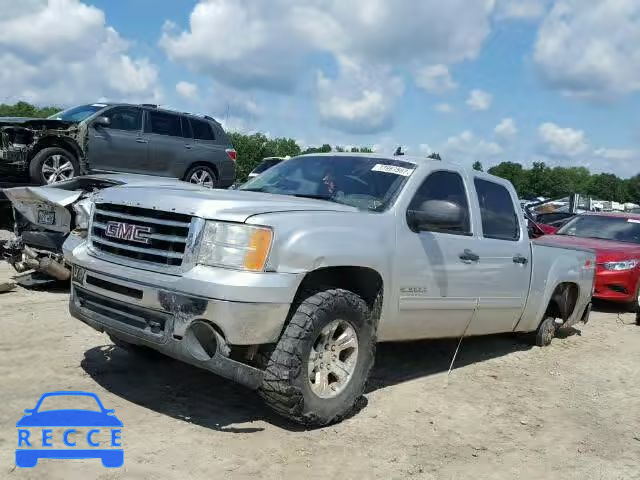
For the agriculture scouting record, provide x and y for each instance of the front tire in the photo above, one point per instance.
(202, 175)
(319, 368)
(53, 164)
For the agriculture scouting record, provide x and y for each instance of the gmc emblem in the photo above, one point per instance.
(127, 231)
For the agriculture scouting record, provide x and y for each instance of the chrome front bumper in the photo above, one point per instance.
(246, 308)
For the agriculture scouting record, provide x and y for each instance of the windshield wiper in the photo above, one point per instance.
(328, 198)
(299, 195)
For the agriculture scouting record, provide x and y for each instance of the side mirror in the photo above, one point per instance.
(102, 122)
(435, 215)
(28, 410)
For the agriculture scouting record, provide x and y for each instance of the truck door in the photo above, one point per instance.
(505, 259)
(120, 145)
(435, 269)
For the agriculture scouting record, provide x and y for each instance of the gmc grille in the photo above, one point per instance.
(140, 234)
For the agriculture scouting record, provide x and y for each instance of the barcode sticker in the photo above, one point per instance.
(381, 167)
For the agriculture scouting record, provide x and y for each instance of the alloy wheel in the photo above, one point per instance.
(202, 177)
(333, 359)
(57, 168)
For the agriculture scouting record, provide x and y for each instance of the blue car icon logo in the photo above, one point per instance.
(94, 428)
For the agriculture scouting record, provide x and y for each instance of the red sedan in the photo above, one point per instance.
(615, 237)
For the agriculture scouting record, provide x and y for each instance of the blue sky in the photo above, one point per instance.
(490, 80)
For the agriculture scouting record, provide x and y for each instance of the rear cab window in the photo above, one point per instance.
(497, 212)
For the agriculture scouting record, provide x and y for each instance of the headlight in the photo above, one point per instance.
(620, 266)
(232, 245)
(83, 210)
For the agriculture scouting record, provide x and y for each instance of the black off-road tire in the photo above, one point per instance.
(35, 166)
(203, 168)
(286, 387)
(545, 333)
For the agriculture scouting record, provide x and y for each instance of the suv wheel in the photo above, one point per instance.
(53, 164)
(202, 175)
(318, 370)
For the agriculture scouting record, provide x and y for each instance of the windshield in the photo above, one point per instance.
(78, 114)
(362, 182)
(619, 229)
(266, 164)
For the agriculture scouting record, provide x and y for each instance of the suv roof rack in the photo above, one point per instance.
(150, 105)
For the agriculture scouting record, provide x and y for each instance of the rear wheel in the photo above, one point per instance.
(53, 164)
(202, 175)
(546, 331)
(318, 370)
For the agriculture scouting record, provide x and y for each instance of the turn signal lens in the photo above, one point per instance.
(259, 245)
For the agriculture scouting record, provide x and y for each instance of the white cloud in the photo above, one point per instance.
(359, 100)
(443, 108)
(520, 9)
(63, 52)
(506, 129)
(276, 39)
(466, 148)
(187, 89)
(616, 154)
(589, 49)
(479, 100)
(435, 79)
(564, 142)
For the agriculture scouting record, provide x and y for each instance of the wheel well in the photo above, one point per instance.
(563, 301)
(60, 142)
(202, 164)
(363, 281)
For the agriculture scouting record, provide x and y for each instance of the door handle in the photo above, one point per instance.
(468, 256)
(520, 259)
(141, 140)
(188, 147)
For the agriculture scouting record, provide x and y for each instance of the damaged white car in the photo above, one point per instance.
(44, 217)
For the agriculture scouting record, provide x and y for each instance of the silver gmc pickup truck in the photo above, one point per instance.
(286, 284)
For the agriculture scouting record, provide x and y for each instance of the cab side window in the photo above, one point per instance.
(445, 186)
(201, 130)
(165, 124)
(499, 218)
(125, 118)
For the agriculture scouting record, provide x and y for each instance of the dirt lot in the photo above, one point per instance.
(570, 411)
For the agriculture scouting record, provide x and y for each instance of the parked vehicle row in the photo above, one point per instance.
(116, 137)
(286, 284)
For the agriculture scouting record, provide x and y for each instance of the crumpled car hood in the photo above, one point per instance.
(28, 122)
(227, 205)
(29, 201)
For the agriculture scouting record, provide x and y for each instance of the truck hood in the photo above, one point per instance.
(606, 250)
(228, 205)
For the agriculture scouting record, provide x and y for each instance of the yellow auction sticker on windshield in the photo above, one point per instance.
(381, 167)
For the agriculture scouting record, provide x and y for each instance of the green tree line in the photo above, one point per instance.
(539, 180)
(24, 109)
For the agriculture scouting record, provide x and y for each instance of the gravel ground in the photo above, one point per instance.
(507, 410)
